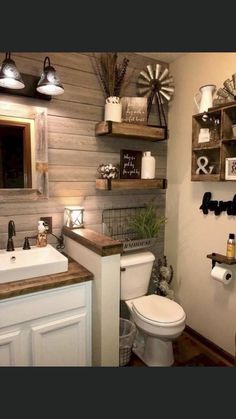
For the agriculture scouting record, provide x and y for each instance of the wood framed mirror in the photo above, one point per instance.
(23, 153)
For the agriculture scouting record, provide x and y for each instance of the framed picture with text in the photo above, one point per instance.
(230, 168)
(130, 164)
(134, 110)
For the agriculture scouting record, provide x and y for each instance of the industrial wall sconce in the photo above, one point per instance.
(9, 75)
(49, 83)
(74, 217)
(44, 87)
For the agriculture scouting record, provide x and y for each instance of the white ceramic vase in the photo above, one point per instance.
(204, 98)
(113, 109)
(148, 166)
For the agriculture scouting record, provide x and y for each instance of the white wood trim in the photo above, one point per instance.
(105, 301)
(13, 341)
(40, 346)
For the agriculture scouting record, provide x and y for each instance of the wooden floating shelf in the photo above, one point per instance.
(124, 129)
(206, 178)
(229, 141)
(209, 146)
(216, 257)
(125, 184)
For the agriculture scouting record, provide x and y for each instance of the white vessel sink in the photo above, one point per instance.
(37, 261)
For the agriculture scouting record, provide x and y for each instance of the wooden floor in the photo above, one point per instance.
(188, 351)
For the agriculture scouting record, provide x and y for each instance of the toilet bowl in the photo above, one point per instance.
(159, 320)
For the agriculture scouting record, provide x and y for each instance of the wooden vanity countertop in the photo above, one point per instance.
(97, 242)
(76, 274)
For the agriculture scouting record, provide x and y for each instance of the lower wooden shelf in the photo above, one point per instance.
(125, 184)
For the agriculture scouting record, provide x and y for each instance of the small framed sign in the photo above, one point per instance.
(130, 164)
(134, 110)
(230, 168)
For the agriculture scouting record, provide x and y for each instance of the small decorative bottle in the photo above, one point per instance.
(230, 251)
(42, 234)
(148, 166)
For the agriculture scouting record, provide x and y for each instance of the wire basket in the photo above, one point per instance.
(127, 335)
(115, 223)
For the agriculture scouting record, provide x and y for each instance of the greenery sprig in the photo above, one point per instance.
(146, 224)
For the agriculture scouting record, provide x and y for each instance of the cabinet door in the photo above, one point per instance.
(61, 342)
(10, 349)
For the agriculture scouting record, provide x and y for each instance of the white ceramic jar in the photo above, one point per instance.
(148, 166)
(113, 109)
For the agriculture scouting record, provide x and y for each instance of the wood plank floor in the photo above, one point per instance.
(188, 351)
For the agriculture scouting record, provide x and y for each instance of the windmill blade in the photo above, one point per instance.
(143, 90)
(143, 82)
(158, 69)
(168, 89)
(145, 75)
(150, 71)
(164, 74)
(167, 81)
(166, 96)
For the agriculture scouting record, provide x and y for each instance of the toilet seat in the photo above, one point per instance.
(158, 311)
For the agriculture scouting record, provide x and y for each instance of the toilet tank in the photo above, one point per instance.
(135, 274)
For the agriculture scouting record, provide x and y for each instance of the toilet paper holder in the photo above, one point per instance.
(217, 257)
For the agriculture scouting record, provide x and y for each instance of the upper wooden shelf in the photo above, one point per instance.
(124, 129)
(124, 184)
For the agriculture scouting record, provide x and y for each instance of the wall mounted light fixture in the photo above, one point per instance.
(49, 83)
(14, 83)
(74, 217)
(9, 75)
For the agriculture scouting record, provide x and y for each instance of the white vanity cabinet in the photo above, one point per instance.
(47, 328)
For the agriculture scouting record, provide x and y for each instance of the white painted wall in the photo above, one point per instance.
(190, 235)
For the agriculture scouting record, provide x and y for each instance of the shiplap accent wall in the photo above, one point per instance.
(74, 152)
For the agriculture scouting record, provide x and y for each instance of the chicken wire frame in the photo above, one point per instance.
(74, 217)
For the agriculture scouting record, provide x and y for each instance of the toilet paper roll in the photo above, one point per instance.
(221, 274)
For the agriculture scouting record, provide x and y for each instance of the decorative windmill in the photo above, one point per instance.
(158, 87)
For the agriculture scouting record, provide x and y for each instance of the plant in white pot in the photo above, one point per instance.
(111, 76)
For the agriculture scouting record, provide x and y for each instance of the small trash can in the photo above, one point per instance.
(127, 335)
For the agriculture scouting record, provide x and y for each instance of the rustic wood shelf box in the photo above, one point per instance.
(221, 144)
(123, 129)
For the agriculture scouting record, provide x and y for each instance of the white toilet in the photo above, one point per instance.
(159, 320)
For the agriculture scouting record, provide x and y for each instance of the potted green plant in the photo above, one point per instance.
(111, 76)
(146, 224)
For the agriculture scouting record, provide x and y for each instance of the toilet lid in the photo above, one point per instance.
(158, 309)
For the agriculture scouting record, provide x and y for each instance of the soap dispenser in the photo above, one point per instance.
(42, 234)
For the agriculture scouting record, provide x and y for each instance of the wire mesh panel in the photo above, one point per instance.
(116, 224)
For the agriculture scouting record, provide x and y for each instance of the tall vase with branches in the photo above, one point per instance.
(111, 76)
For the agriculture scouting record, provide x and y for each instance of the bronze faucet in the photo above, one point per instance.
(11, 233)
(26, 245)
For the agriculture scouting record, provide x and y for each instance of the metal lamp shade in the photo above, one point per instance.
(49, 83)
(9, 75)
